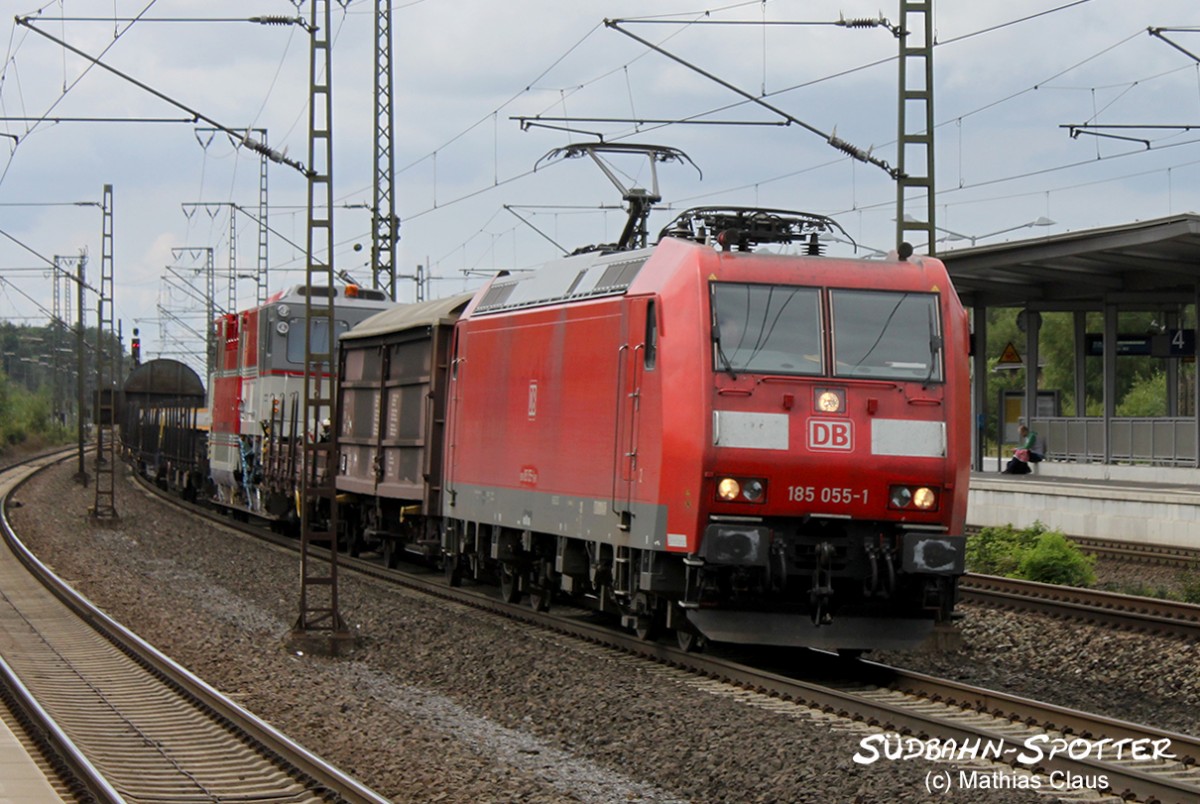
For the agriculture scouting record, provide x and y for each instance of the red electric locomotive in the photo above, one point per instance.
(741, 446)
(699, 435)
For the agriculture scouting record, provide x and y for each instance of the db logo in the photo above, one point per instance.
(829, 434)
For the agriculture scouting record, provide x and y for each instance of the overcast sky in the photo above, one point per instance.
(1008, 76)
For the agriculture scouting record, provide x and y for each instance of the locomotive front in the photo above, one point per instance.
(835, 468)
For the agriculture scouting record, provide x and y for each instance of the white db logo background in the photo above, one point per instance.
(831, 434)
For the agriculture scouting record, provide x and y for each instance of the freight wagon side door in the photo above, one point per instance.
(631, 366)
(406, 423)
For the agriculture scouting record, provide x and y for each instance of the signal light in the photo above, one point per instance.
(135, 348)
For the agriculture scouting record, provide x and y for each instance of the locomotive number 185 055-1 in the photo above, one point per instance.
(829, 495)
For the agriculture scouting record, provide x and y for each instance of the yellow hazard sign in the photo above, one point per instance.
(1009, 356)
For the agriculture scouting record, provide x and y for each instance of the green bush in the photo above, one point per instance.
(27, 418)
(1189, 590)
(998, 550)
(1033, 553)
(1147, 397)
(1055, 559)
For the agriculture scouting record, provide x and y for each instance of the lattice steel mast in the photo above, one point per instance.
(915, 131)
(105, 503)
(383, 207)
(261, 278)
(319, 611)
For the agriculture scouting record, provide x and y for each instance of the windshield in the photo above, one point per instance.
(766, 329)
(320, 338)
(886, 335)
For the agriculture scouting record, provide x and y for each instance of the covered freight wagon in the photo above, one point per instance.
(391, 418)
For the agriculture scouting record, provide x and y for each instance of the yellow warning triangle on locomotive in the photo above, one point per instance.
(1009, 356)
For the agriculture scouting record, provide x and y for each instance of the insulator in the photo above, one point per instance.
(861, 23)
(814, 247)
(846, 147)
(274, 19)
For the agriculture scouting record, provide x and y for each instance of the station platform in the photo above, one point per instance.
(21, 780)
(1128, 503)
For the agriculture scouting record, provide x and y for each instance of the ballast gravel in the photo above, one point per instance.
(443, 703)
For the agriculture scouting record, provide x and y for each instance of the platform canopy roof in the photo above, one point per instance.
(1144, 263)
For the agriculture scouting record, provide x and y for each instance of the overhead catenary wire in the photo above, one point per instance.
(692, 118)
(66, 89)
(245, 141)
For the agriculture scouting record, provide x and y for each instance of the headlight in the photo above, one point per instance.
(925, 499)
(922, 498)
(829, 400)
(742, 489)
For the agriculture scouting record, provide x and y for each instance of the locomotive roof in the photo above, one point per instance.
(367, 297)
(578, 276)
(407, 316)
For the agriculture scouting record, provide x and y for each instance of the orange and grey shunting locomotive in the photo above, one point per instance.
(699, 435)
(256, 395)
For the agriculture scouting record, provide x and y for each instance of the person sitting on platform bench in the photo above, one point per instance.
(1027, 452)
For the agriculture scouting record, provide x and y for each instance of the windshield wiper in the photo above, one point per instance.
(726, 363)
(935, 346)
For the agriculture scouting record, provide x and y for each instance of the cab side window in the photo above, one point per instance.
(650, 355)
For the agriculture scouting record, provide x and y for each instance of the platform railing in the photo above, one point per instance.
(1158, 441)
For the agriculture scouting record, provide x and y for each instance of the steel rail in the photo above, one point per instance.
(71, 764)
(1165, 554)
(1129, 612)
(267, 757)
(886, 698)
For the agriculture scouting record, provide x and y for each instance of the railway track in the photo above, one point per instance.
(1069, 749)
(125, 722)
(977, 730)
(1165, 555)
(1127, 612)
(1184, 558)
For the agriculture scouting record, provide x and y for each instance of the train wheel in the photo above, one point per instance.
(646, 625)
(539, 597)
(452, 569)
(391, 555)
(689, 641)
(686, 636)
(542, 580)
(646, 628)
(510, 588)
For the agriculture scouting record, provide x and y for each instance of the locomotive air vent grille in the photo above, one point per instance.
(496, 296)
(619, 275)
(578, 278)
(554, 286)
